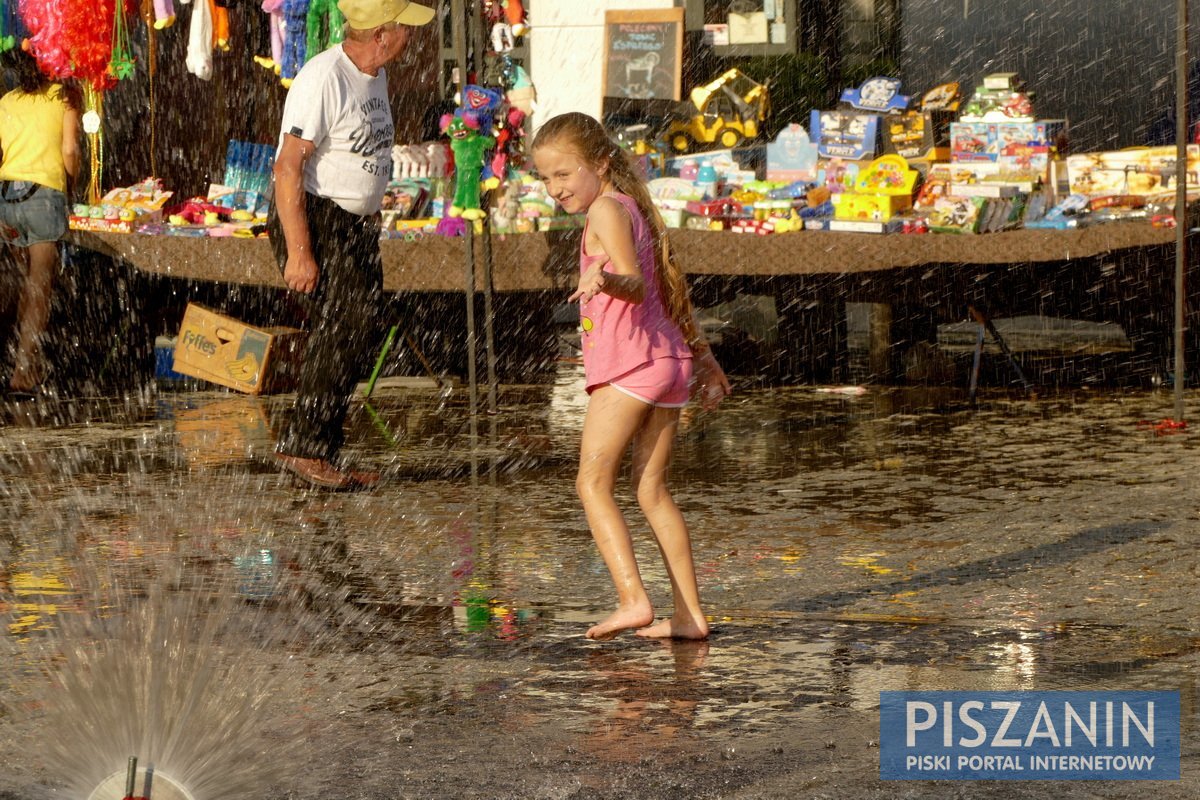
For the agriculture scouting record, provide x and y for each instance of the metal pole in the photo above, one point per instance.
(489, 321)
(458, 9)
(480, 46)
(1181, 216)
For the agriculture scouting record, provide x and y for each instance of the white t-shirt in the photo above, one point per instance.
(347, 116)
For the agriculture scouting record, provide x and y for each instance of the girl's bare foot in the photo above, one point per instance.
(680, 626)
(622, 620)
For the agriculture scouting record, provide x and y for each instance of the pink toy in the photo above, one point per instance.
(274, 11)
(164, 14)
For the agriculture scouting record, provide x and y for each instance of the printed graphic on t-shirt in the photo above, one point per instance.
(373, 136)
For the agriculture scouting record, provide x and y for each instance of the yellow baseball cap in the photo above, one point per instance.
(363, 15)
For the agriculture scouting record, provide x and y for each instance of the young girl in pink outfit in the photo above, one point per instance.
(642, 353)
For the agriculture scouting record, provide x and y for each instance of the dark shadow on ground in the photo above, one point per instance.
(1044, 555)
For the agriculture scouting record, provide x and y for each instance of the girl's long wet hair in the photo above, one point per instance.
(587, 138)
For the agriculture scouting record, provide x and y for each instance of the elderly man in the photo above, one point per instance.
(331, 170)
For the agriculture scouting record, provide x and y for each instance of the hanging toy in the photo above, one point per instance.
(514, 15)
(325, 25)
(199, 60)
(521, 93)
(508, 152)
(468, 146)
(164, 14)
(120, 61)
(274, 11)
(502, 38)
(295, 18)
(482, 103)
(220, 15)
(73, 38)
(8, 25)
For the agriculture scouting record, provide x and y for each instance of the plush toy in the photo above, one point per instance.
(220, 14)
(509, 138)
(481, 103)
(408, 161)
(504, 215)
(469, 147)
(197, 211)
(514, 14)
(200, 40)
(274, 11)
(522, 93)
(325, 25)
(437, 158)
(164, 14)
(295, 17)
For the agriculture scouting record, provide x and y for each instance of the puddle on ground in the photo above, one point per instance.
(845, 545)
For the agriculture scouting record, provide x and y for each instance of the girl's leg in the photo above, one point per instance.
(651, 459)
(33, 312)
(611, 421)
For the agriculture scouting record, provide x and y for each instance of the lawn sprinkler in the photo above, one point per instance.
(146, 783)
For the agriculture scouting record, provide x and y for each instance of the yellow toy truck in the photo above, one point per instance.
(724, 112)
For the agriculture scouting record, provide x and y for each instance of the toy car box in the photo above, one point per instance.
(847, 134)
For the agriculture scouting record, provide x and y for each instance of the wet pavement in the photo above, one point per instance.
(165, 590)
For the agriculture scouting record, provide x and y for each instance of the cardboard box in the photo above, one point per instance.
(919, 134)
(225, 351)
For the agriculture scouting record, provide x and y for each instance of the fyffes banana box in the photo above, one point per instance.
(231, 353)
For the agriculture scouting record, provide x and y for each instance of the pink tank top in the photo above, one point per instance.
(619, 336)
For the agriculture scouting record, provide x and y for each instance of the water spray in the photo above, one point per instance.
(154, 785)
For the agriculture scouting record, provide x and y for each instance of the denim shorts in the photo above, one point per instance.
(31, 213)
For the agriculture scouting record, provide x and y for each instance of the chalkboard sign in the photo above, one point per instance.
(643, 54)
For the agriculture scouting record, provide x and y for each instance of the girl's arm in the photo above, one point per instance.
(70, 148)
(709, 383)
(609, 222)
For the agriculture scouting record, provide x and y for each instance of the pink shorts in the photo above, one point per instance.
(662, 382)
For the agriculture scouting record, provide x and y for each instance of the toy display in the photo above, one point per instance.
(845, 134)
(924, 133)
(724, 112)
(426, 160)
(1145, 171)
(881, 95)
(1000, 98)
(792, 156)
(882, 190)
(955, 214)
(122, 210)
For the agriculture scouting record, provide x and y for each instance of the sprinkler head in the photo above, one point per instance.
(139, 783)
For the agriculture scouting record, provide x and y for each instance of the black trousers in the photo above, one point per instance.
(344, 325)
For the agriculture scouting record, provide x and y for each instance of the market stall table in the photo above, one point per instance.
(434, 263)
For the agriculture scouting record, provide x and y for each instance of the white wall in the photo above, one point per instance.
(566, 44)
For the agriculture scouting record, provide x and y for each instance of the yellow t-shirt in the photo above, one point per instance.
(31, 131)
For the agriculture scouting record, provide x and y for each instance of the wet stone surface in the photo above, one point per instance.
(165, 590)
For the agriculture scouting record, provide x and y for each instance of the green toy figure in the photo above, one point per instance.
(469, 147)
(326, 26)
